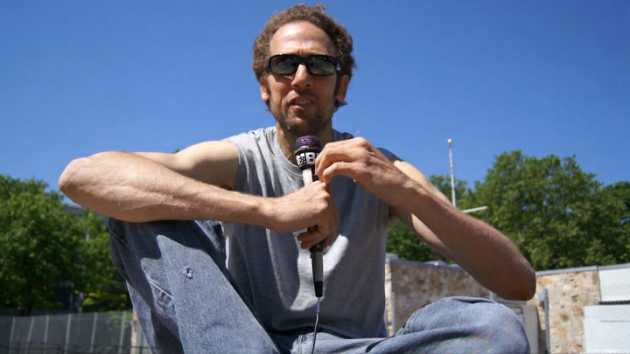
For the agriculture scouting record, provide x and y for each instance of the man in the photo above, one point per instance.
(186, 297)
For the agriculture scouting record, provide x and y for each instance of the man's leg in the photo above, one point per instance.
(450, 325)
(463, 325)
(181, 289)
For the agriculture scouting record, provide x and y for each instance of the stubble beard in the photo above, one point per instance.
(313, 124)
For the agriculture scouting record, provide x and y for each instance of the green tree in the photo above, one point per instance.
(558, 215)
(107, 290)
(464, 197)
(621, 190)
(44, 247)
(404, 242)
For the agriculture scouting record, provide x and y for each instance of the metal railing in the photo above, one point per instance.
(98, 332)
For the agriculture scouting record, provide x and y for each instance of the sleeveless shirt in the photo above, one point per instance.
(274, 272)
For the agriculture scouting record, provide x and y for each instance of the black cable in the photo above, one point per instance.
(319, 299)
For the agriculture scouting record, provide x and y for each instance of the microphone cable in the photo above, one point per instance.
(319, 301)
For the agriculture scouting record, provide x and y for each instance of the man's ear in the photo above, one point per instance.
(264, 90)
(343, 88)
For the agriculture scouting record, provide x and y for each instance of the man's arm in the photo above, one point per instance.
(190, 185)
(140, 187)
(485, 253)
(482, 251)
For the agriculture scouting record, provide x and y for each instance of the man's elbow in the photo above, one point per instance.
(522, 290)
(70, 178)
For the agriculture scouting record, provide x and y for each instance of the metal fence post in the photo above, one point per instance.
(30, 329)
(46, 331)
(547, 334)
(122, 332)
(140, 334)
(12, 332)
(67, 333)
(393, 309)
(93, 332)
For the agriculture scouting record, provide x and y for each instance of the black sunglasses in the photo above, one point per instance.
(316, 64)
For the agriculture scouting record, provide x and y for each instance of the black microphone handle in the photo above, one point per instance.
(317, 263)
(306, 150)
(317, 257)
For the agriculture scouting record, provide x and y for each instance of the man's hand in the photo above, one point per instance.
(486, 254)
(367, 166)
(310, 206)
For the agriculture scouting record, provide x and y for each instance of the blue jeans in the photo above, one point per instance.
(187, 302)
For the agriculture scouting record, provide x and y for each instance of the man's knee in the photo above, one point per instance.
(473, 323)
(496, 326)
(504, 327)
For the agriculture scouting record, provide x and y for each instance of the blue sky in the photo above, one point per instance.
(545, 77)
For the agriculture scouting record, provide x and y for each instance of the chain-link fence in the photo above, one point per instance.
(584, 312)
(98, 332)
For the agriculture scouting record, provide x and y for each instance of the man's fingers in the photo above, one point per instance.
(351, 158)
(310, 239)
(336, 152)
(352, 170)
(326, 233)
(329, 158)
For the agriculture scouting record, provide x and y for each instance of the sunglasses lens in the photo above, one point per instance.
(283, 64)
(287, 64)
(321, 65)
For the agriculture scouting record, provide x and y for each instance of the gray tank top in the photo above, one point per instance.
(275, 274)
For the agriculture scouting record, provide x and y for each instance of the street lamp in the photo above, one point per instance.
(453, 200)
(450, 155)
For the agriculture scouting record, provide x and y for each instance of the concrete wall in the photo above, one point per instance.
(411, 285)
(569, 291)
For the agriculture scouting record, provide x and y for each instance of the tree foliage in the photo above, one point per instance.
(404, 242)
(557, 215)
(44, 247)
(621, 190)
(465, 197)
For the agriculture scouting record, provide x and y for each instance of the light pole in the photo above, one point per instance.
(450, 155)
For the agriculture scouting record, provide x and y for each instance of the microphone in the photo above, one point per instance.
(306, 150)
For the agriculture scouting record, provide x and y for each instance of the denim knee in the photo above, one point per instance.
(504, 326)
(485, 324)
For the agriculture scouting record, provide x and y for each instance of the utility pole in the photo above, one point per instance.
(450, 155)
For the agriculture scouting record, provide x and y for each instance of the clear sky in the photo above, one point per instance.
(545, 77)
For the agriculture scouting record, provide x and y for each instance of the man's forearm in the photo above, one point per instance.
(132, 188)
(485, 253)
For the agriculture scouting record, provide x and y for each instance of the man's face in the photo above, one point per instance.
(302, 103)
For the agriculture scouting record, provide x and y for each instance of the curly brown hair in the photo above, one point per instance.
(316, 15)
